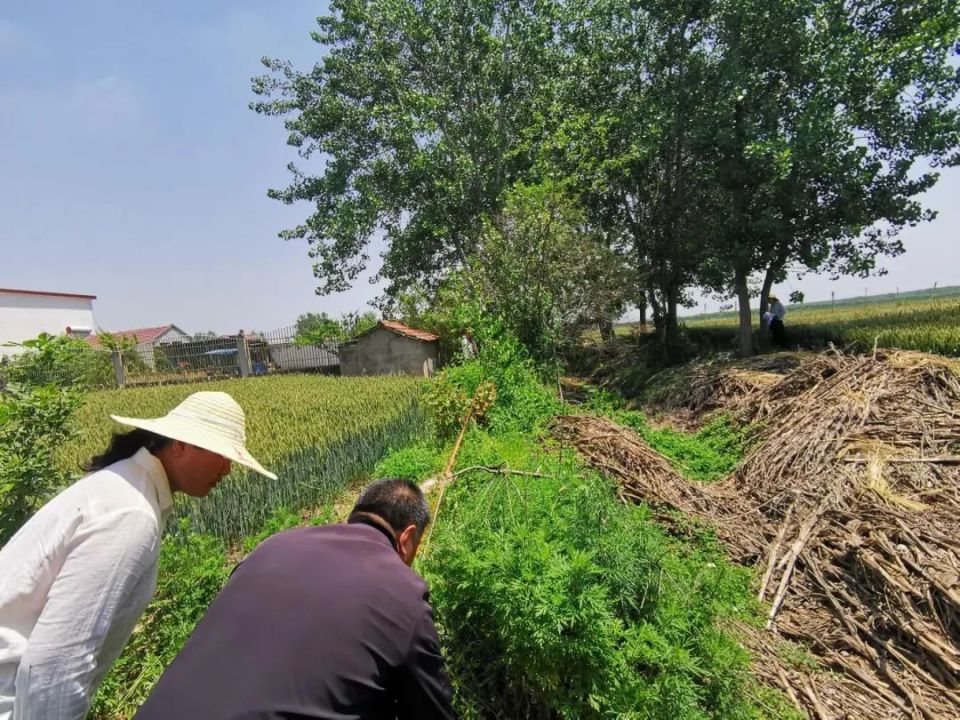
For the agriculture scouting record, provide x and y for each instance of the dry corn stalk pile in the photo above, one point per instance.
(713, 386)
(849, 507)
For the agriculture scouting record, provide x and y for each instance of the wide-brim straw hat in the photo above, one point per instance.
(213, 421)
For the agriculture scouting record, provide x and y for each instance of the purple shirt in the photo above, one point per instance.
(323, 622)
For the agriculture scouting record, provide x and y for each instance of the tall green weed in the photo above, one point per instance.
(555, 600)
(523, 402)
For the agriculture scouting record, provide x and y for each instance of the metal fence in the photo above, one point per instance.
(200, 358)
(225, 356)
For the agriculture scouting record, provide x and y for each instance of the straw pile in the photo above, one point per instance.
(700, 389)
(849, 508)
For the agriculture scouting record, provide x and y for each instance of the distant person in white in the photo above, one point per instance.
(774, 317)
(468, 346)
(76, 577)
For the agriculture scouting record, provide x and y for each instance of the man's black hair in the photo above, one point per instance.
(398, 501)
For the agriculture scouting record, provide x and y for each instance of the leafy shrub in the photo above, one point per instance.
(523, 403)
(449, 395)
(555, 600)
(63, 361)
(34, 422)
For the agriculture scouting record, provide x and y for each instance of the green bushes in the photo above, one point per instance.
(554, 599)
(34, 422)
(523, 403)
(63, 361)
(420, 460)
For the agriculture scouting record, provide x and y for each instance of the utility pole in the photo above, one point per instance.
(833, 301)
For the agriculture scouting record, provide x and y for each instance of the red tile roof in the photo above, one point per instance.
(401, 329)
(141, 335)
(47, 294)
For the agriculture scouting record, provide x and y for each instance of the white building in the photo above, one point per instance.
(24, 314)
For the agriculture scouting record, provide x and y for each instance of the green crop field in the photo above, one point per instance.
(925, 320)
(315, 432)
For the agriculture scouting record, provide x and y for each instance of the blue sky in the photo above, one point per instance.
(132, 169)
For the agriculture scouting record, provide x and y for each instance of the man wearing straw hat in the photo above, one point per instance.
(76, 577)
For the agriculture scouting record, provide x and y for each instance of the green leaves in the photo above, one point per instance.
(316, 328)
(421, 111)
(65, 361)
(555, 599)
(34, 422)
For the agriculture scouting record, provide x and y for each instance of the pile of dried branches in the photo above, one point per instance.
(701, 388)
(850, 510)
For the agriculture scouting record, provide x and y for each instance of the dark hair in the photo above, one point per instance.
(398, 501)
(124, 445)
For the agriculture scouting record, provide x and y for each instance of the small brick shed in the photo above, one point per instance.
(390, 348)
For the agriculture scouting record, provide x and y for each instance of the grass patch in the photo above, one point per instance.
(709, 454)
(797, 657)
(419, 461)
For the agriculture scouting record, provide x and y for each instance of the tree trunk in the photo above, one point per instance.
(643, 316)
(745, 343)
(672, 330)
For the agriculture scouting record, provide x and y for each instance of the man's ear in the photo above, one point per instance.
(408, 542)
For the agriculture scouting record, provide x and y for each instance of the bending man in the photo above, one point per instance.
(321, 622)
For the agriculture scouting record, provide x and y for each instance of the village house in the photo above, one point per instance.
(390, 348)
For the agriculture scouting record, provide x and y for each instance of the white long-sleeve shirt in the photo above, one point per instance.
(778, 311)
(74, 580)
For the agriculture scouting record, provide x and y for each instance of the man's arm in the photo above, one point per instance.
(424, 690)
(65, 657)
